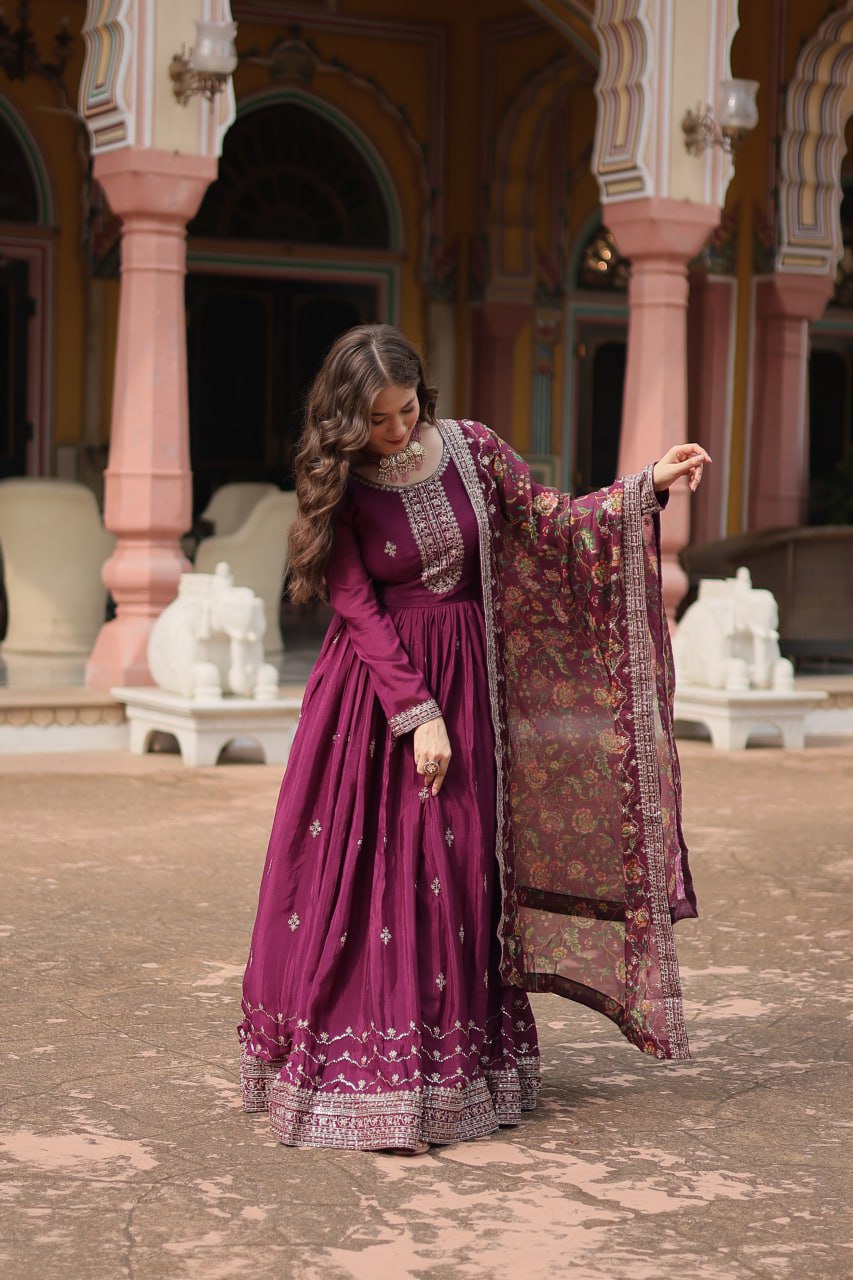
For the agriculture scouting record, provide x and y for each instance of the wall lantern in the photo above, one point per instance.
(207, 66)
(737, 116)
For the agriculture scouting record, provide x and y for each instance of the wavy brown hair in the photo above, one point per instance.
(361, 364)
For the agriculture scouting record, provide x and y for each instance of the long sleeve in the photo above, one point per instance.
(401, 689)
(579, 529)
(548, 514)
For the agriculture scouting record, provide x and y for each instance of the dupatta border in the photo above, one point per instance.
(639, 498)
(460, 450)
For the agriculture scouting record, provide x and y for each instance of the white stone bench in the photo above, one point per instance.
(204, 727)
(731, 716)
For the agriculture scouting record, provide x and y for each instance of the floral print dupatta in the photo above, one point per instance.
(592, 858)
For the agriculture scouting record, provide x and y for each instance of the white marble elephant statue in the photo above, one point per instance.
(729, 639)
(210, 640)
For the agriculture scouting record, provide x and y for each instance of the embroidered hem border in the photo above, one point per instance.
(405, 721)
(368, 1122)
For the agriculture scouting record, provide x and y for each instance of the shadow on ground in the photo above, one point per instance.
(128, 889)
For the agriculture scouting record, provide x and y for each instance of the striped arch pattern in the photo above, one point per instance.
(103, 107)
(118, 84)
(625, 97)
(819, 103)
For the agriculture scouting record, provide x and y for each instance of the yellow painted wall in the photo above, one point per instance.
(402, 70)
(56, 135)
(748, 191)
(750, 198)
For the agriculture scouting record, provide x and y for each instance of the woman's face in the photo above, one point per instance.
(393, 417)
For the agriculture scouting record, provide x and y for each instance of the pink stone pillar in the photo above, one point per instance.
(494, 328)
(710, 369)
(779, 471)
(660, 236)
(148, 501)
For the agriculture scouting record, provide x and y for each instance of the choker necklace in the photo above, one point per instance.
(396, 466)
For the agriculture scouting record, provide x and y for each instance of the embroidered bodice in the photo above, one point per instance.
(418, 542)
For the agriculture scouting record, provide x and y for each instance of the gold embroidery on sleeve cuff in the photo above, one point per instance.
(405, 721)
(650, 503)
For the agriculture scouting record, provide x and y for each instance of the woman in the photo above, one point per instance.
(483, 793)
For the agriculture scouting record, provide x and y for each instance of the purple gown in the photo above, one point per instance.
(374, 1010)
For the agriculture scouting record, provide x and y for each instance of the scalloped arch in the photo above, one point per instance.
(818, 105)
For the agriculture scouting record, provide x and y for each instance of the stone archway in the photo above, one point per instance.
(510, 296)
(286, 252)
(304, 152)
(518, 150)
(818, 104)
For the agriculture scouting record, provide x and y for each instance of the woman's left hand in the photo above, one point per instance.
(681, 460)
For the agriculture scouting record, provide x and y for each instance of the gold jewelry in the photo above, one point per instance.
(396, 466)
(431, 768)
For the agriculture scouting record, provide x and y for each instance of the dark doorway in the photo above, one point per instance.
(287, 175)
(254, 346)
(600, 352)
(15, 307)
(831, 431)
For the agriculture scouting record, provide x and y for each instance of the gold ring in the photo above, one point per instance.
(431, 768)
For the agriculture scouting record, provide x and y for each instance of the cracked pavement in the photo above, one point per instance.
(127, 894)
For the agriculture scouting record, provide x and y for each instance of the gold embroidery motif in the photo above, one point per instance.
(410, 1109)
(405, 721)
(436, 531)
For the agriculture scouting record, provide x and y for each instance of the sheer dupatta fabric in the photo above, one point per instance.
(593, 862)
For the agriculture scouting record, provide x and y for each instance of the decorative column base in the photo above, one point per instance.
(660, 236)
(143, 573)
(779, 479)
(148, 500)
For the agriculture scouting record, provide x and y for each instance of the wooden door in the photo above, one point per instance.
(600, 353)
(253, 348)
(831, 430)
(15, 306)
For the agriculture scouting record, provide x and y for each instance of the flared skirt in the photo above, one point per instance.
(374, 1011)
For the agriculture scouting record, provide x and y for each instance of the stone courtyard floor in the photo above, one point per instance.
(127, 893)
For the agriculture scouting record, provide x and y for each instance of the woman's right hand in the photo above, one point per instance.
(432, 743)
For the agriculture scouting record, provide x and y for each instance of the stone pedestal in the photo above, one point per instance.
(148, 501)
(203, 727)
(731, 717)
